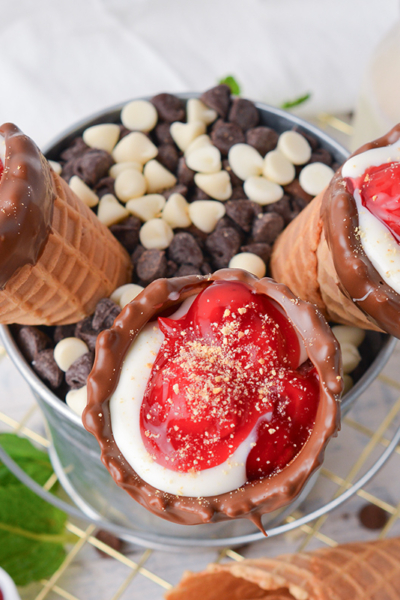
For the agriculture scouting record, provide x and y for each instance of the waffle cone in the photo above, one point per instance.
(81, 263)
(358, 571)
(302, 260)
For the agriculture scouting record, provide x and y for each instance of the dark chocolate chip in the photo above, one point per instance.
(84, 331)
(238, 193)
(198, 194)
(93, 166)
(127, 232)
(123, 132)
(244, 113)
(298, 204)
(162, 134)
(336, 166)
(75, 150)
(263, 139)
(311, 139)
(63, 331)
(235, 181)
(294, 189)
(172, 268)
(185, 175)
(222, 245)
(151, 265)
(373, 517)
(47, 368)
(169, 107)
(205, 268)
(282, 207)
(32, 341)
(105, 186)
(321, 155)
(105, 314)
(168, 156)
(110, 540)
(187, 270)
(185, 250)
(199, 236)
(77, 374)
(262, 250)
(267, 227)
(177, 189)
(227, 135)
(241, 212)
(218, 98)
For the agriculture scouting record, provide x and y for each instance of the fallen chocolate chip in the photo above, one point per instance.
(32, 341)
(63, 331)
(263, 139)
(294, 189)
(267, 227)
(77, 374)
(222, 245)
(104, 186)
(105, 314)
(241, 212)
(311, 139)
(177, 189)
(127, 232)
(282, 207)
(373, 517)
(169, 107)
(218, 98)
(168, 156)
(321, 155)
(110, 540)
(47, 368)
(185, 250)
(235, 181)
(244, 113)
(75, 150)
(151, 265)
(93, 166)
(262, 250)
(162, 134)
(187, 270)
(172, 268)
(226, 135)
(184, 174)
(84, 331)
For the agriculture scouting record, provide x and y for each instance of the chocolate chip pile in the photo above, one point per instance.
(187, 187)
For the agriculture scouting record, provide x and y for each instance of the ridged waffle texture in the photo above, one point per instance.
(358, 571)
(81, 263)
(301, 259)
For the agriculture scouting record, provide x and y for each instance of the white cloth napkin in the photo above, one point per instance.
(63, 60)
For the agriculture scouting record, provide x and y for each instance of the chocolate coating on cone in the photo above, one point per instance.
(26, 203)
(254, 498)
(361, 282)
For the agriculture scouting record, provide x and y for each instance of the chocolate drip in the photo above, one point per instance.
(360, 281)
(254, 498)
(26, 203)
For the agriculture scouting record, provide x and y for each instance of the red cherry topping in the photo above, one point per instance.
(379, 189)
(1, 173)
(227, 368)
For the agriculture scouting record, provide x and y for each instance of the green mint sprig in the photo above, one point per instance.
(232, 83)
(296, 101)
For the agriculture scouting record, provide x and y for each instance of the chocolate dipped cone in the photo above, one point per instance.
(57, 259)
(357, 571)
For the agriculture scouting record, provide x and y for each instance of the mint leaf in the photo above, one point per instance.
(233, 84)
(296, 101)
(32, 532)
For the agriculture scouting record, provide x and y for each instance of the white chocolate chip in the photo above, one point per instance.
(130, 183)
(199, 142)
(183, 134)
(158, 177)
(176, 211)
(83, 191)
(205, 214)
(196, 110)
(262, 191)
(135, 147)
(278, 168)
(245, 161)
(204, 160)
(116, 169)
(77, 400)
(140, 115)
(249, 262)
(216, 185)
(126, 293)
(103, 136)
(110, 211)
(347, 333)
(348, 383)
(57, 168)
(315, 177)
(156, 233)
(350, 357)
(68, 351)
(295, 147)
(146, 207)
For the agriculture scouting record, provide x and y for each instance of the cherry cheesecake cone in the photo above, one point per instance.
(357, 571)
(57, 259)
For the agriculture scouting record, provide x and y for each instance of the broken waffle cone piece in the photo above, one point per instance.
(57, 259)
(356, 571)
